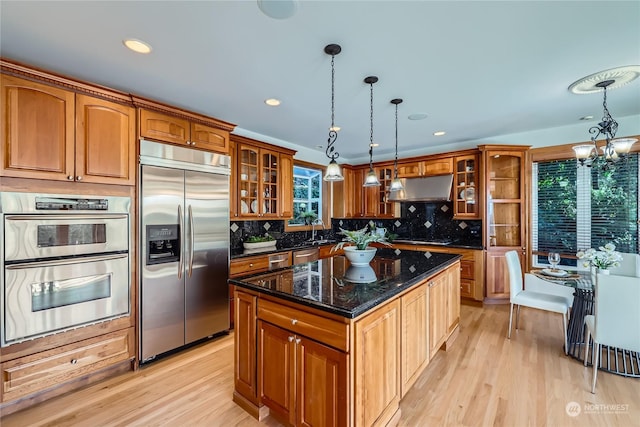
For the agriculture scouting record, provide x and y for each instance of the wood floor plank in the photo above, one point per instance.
(485, 379)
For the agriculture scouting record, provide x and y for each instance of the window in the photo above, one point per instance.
(307, 196)
(575, 208)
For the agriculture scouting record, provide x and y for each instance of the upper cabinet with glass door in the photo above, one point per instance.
(259, 171)
(466, 193)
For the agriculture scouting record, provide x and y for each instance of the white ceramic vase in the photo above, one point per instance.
(359, 257)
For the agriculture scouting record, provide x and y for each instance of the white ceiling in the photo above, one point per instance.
(478, 69)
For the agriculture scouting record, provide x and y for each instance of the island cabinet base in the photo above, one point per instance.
(309, 367)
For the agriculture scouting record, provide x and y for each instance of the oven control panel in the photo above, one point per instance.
(70, 204)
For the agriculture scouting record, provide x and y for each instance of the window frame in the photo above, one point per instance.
(326, 199)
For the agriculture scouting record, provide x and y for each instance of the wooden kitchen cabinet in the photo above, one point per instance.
(306, 381)
(30, 374)
(181, 131)
(55, 134)
(438, 324)
(505, 218)
(377, 205)
(467, 198)
(377, 364)
(415, 335)
(261, 170)
(425, 167)
(245, 381)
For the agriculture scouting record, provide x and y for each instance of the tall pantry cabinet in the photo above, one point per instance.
(505, 216)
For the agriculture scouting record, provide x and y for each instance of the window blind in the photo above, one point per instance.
(575, 208)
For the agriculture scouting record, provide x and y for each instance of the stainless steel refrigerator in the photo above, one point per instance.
(184, 247)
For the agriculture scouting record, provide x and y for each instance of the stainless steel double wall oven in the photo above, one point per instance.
(65, 262)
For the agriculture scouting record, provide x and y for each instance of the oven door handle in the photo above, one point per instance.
(191, 237)
(181, 225)
(63, 217)
(66, 261)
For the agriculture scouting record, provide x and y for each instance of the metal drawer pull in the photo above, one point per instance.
(251, 265)
(277, 260)
(305, 255)
(294, 321)
(290, 338)
(297, 340)
(74, 361)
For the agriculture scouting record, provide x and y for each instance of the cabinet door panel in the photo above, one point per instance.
(286, 186)
(209, 138)
(321, 398)
(415, 336)
(276, 358)
(105, 141)
(162, 127)
(437, 313)
(37, 130)
(437, 167)
(245, 344)
(377, 365)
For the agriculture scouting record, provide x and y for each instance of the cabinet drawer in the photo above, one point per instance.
(305, 255)
(466, 288)
(244, 266)
(327, 331)
(467, 269)
(40, 371)
(162, 127)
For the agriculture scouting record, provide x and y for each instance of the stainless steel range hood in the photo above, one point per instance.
(427, 189)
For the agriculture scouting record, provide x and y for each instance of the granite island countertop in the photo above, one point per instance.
(334, 286)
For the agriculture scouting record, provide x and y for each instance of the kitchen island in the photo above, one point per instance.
(325, 343)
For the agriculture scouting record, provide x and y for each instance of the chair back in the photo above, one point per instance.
(515, 273)
(617, 311)
(629, 266)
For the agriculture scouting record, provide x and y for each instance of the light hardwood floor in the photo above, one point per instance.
(485, 379)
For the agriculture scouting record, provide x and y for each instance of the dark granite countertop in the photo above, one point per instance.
(241, 253)
(332, 285)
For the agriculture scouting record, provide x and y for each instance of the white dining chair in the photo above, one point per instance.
(536, 284)
(629, 266)
(533, 299)
(615, 321)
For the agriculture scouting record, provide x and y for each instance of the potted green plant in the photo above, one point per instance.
(308, 217)
(359, 253)
(256, 242)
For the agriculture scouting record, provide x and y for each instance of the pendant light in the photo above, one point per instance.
(371, 180)
(396, 183)
(333, 169)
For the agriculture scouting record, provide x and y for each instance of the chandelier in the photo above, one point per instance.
(333, 169)
(371, 180)
(396, 183)
(613, 150)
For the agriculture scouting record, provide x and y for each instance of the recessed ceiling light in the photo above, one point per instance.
(335, 128)
(278, 9)
(272, 102)
(439, 133)
(586, 118)
(137, 45)
(417, 116)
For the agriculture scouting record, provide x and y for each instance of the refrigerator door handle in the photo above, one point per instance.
(181, 225)
(191, 238)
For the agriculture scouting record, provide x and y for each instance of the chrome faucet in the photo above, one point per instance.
(313, 228)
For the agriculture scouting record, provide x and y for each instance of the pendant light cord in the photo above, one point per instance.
(371, 135)
(395, 163)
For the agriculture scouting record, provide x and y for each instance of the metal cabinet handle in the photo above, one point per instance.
(193, 143)
(191, 237)
(74, 361)
(70, 177)
(250, 264)
(294, 321)
(290, 338)
(276, 260)
(78, 178)
(181, 225)
(297, 340)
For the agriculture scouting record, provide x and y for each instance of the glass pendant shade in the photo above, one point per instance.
(396, 185)
(334, 172)
(623, 145)
(371, 180)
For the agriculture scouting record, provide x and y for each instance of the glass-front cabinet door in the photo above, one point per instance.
(467, 187)
(258, 188)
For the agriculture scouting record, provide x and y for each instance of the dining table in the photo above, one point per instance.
(615, 360)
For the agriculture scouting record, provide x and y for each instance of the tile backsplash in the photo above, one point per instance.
(418, 220)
